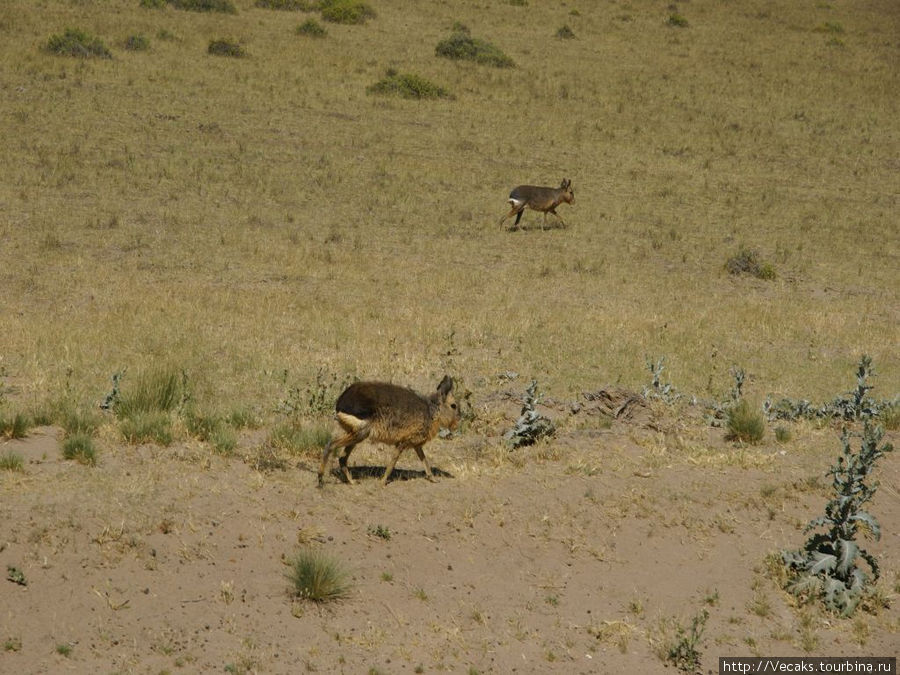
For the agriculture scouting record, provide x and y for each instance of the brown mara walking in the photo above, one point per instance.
(386, 413)
(544, 199)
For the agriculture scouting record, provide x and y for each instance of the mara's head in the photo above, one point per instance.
(448, 409)
(568, 192)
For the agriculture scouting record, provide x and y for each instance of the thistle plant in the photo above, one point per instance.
(827, 565)
(531, 425)
(658, 390)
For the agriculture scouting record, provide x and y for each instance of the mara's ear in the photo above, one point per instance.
(445, 386)
(565, 183)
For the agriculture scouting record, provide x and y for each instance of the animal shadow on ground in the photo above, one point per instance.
(364, 471)
(555, 225)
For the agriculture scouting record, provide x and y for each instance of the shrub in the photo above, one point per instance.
(676, 21)
(311, 28)
(224, 6)
(462, 46)
(11, 461)
(826, 566)
(407, 85)
(80, 447)
(317, 577)
(288, 5)
(75, 42)
(744, 424)
(137, 43)
(225, 48)
(747, 261)
(565, 33)
(531, 425)
(346, 11)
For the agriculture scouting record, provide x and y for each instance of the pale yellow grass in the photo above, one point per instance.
(253, 220)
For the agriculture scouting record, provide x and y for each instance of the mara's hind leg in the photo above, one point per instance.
(421, 453)
(349, 440)
(398, 450)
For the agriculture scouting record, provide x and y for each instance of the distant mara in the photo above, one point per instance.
(386, 413)
(544, 199)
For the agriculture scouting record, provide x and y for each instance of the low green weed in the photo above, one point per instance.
(78, 43)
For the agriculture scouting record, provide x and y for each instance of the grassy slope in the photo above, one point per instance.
(245, 217)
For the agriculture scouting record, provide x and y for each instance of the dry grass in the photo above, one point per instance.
(210, 212)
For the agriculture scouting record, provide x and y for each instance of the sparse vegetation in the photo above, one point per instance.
(462, 46)
(137, 43)
(565, 33)
(11, 460)
(311, 28)
(17, 427)
(347, 11)
(683, 652)
(223, 6)
(288, 5)
(15, 575)
(316, 576)
(827, 568)
(676, 20)
(407, 85)
(380, 531)
(78, 43)
(746, 261)
(223, 47)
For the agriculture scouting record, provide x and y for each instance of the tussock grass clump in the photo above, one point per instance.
(288, 5)
(153, 391)
(676, 20)
(565, 33)
(318, 577)
(211, 429)
(744, 424)
(17, 427)
(224, 47)
(147, 427)
(78, 43)
(298, 438)
(224, 6)
(137, 43)
(407, 85)
(462, 46)
(11, 461)
(747, 261)
(311, 28)
(346, 11)
(80, 447)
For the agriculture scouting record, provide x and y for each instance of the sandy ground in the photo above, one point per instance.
(580, 555)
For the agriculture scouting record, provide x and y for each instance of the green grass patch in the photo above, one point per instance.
(147, 427)
(78, 43)
(407, 85)
(318, 577)
(346, 11)
(311, 28)
(11, 461)
(744, 424)
(80, 447)
(222, 47)
(299, 438)
(462, 46)
(17, 427)
(676, 20)
(288, 5)
(153, 391)
(223, 6)
(64, 649)
(137, 43)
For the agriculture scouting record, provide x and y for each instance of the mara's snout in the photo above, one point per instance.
(543, 199)
(386, 413)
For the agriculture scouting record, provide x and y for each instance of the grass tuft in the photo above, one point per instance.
(17, 427)
(747, 261)
(346, 11)
(154, 391)
(137, 43)
(462, 46)
(222, 47)
(288, 5)
(565, 33)
(147, 427)
(311, 28)
(299, 438)
(78, 43)
(317, 576)
(223, 6)
(407, 85)
(744, 424)
(80, 447)
(11, 461)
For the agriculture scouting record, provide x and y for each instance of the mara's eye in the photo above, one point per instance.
(453, 405)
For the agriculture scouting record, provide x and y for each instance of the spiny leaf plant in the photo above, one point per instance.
(531, 425)
(658, 390)
(827, 565)
(854, 405)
